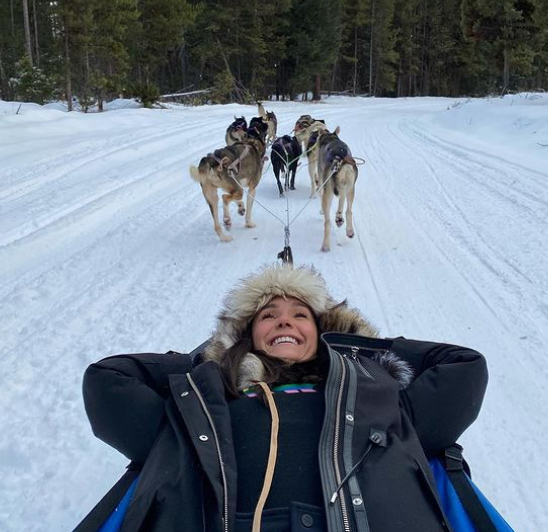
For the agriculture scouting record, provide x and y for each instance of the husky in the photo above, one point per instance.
(307, 130)
(338, 171)
(271, 120)
(302, 124)
(232, 169)
(237, 131)
(285, 155)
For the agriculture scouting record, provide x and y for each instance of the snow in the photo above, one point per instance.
(107, 246)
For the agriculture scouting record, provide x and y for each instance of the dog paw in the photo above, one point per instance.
(339, 221)
(292, 187)
(226, 238)
(241, 211)
(326, 248)
(250, 224)
(227, 222)
(350, 234)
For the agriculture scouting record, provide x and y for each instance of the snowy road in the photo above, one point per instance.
(107, 246)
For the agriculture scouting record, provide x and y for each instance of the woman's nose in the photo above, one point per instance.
(284, 321)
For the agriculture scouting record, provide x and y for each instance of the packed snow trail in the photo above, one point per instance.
(107, 246)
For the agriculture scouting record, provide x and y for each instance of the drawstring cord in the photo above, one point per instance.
(376, 437)
(272, 455)
(349, 474)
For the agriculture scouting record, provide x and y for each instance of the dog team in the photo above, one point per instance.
(239, 165)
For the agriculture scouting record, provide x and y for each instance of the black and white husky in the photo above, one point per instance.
(338, 172)
(237, 131)
(285, 155)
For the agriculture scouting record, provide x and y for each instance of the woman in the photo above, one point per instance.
(296, 417)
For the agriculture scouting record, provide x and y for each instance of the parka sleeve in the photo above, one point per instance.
(446, 395)
(125, 395)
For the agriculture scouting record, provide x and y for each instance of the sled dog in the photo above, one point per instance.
(237, 131)
(337, 169)
(285, 155)
(231, 169)
(307, 130)
(271, 120)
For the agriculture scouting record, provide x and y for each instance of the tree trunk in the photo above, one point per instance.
(2, 80)
(316, 95)
(371, 92)
(12, 20)
(68, 75)
(35, 20)
(28, 45)
(506, 72)
(355, 82)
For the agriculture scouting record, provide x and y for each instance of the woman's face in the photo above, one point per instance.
(286, 329)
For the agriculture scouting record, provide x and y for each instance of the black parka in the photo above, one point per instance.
(173, 421)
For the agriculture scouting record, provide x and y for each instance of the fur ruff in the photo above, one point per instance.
(305, 283)
(398, 368)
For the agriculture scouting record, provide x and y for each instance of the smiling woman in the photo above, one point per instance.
(286, 329)
(295, 417)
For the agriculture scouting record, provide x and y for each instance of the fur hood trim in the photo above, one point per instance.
(397, 368)
(255, 291)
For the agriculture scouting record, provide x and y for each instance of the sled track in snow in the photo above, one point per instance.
(535, 207)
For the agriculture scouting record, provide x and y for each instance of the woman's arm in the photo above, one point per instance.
(445, 397)
(125, 398)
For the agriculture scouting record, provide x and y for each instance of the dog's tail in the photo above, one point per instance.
(200, 174)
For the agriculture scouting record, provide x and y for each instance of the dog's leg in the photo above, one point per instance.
(210, 194)
(293, 172)
(312, 174)
(349, 217)
(327, 196)
(339, 220)
(227, 198)
(250, 195)
(277, 175)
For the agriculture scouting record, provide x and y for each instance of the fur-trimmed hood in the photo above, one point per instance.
(255, 291)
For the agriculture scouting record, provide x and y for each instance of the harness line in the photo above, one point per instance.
(286, 255)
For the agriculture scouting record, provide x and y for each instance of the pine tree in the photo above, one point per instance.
(161, 27)
(504, 35)
(313, 45)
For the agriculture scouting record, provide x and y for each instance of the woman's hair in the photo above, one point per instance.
(276, 371)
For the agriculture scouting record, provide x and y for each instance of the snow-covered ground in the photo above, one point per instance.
(107, 246)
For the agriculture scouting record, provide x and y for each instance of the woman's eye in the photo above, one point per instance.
(301, 315)
(267, 316)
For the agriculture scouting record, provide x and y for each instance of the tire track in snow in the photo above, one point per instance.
(460, 167)
(100, 190)
(88, 152)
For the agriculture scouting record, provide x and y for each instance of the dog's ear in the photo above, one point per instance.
(225, 161)
(337, 130)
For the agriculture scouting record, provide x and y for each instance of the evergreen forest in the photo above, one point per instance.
(243, 50)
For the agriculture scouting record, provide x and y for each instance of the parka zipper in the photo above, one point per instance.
(219, 454)
(336, 441)
(354, 356)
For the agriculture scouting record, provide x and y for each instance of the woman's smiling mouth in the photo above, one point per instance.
(285, 339)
